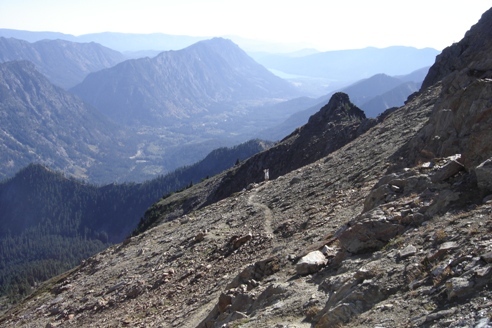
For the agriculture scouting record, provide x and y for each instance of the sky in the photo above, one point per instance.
(322, 24)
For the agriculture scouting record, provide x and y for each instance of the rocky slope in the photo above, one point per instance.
(386, 231)
(64, 63)
(246, 242)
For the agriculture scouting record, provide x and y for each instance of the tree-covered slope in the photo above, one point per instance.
(49, 223)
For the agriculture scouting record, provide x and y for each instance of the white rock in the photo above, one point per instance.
(311, 263)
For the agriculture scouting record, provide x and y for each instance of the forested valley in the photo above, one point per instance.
(50, 222)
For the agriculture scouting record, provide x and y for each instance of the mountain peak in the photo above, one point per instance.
(216, 44)
(339, 108)
(181, 84)
(472, 53)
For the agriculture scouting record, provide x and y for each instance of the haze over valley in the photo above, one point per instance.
(182, 172)
(171, 110)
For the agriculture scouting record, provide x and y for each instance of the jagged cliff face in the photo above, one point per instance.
(461, 121)
(381, 231)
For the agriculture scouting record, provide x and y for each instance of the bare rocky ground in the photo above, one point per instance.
(391, 230)
(234, 262)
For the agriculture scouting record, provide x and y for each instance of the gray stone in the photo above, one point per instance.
(487, 257)
(484, 175)
(487, 199)
(410, 250)
(447, 171)
(440, 314)
(483, 323)
(329, 251)
(368, 232)
(134, 291)
(395, 188)
(242, 240)
(199, 237)
(311, 263)
(448, 246)
(294, 180)
(237, 315)
(458, 287)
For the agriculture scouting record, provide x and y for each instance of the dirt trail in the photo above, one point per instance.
(266, 210)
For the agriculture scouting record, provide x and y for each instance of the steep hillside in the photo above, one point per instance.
(42, 123)
(336, 124)
(48, 222)
(208, 81)
(182, 266)
(381, 232)
(64, 63)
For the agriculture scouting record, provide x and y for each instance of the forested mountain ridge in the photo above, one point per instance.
(64, 63)
(199, 83)
(49, 222)
(42, 123)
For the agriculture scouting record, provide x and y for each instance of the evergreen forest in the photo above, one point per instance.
(50, 222)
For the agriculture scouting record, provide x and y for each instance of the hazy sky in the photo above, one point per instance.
(324, 24)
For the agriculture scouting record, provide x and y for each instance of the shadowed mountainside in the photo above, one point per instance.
(49, 222)
(42, 123)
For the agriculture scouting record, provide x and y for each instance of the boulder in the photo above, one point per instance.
(410, 250)
(311, 263)
(369, 231)
(458, 287)
(487, 257)
(238, 242)
(447, 171)
(484, 175)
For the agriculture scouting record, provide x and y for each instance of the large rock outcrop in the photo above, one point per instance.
(461, 120)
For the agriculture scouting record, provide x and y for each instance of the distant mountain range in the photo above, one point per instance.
(353, 65)
(213, 77)
(64, 63)
(316, 73)
(170, 110)
(42, 123)
(45, 124)
(130, 43)
(373, 95)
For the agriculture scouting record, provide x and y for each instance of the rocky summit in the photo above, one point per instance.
(390, 228)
